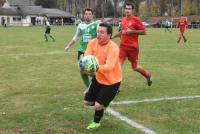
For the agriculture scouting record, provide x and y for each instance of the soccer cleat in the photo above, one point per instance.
(93, 126)
(149, 81)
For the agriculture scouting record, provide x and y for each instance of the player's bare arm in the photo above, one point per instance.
(116, 35)
(72, 42)
(138, 32)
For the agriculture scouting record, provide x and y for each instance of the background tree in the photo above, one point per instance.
(47, 3)
(2, 2)
(112, 8)
(115, 7)
(143, 10)
(198, 7)
(186, 8)
(109, 9)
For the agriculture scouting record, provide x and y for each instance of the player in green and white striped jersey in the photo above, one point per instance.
(48, 30)
(87, 31)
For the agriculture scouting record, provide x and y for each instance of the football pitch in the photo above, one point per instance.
(41, 91)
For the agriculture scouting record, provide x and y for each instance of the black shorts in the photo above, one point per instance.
(79, 55)
(103, 94)
(48, 30)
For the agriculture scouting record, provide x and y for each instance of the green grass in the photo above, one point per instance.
(42, 92)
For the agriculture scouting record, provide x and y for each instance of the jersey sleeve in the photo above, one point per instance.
(139, 24)
(48, 24)
(77, 34)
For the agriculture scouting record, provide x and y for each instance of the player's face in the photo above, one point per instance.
(128, 10)
(102, 35)
(88, 16)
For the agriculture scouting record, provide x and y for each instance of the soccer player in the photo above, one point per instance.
(86, 30)
(48, 30)
(105, 84)
(182, 26)
(131, 27)
(167, 25)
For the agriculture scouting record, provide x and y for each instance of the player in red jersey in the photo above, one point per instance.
(182, 26)
(131, 27)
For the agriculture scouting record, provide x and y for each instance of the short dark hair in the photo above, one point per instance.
(88, 9)
(108, 27)
(128, 4)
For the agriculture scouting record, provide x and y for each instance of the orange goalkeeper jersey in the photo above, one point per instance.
(109, 71)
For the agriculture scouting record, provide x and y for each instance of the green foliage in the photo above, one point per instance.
(143, 10)
(193, 8)
(189, 8)
(47, 3)
(2, 2)
(155, 11)
(109, 7)
(186, 8)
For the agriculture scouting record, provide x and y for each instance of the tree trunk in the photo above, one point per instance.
(115, 8)
(180, 7)
(77, 8)
(198, 7)
(149, 4)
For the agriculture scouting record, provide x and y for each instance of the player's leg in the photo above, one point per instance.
(168, 29)
(45, 36)
(122, 54)
(49, 33)
(84, 77)
(184, 38)
(144, 73)
(179, 38)
(46, 33)
(133, 58)
(91, 94)
(53, 39)
(89, 100)
(106, 94)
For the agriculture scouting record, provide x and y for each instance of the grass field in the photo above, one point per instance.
(41, 91)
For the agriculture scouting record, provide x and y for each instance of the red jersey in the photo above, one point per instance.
(182, 24)
(132, 23)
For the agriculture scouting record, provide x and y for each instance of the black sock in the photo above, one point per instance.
(51, 37)
(98, 115)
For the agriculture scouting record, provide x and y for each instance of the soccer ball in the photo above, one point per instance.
(89, 64)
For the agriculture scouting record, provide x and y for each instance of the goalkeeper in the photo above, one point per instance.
(105, 84)
(86, 30)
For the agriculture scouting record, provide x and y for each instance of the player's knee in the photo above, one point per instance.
(135, 68)
(98, 106)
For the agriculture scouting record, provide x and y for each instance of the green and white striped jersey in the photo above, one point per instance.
(86, 32)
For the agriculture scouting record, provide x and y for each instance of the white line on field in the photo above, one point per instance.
(37, 54)
(156, 99)
(130, 122)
